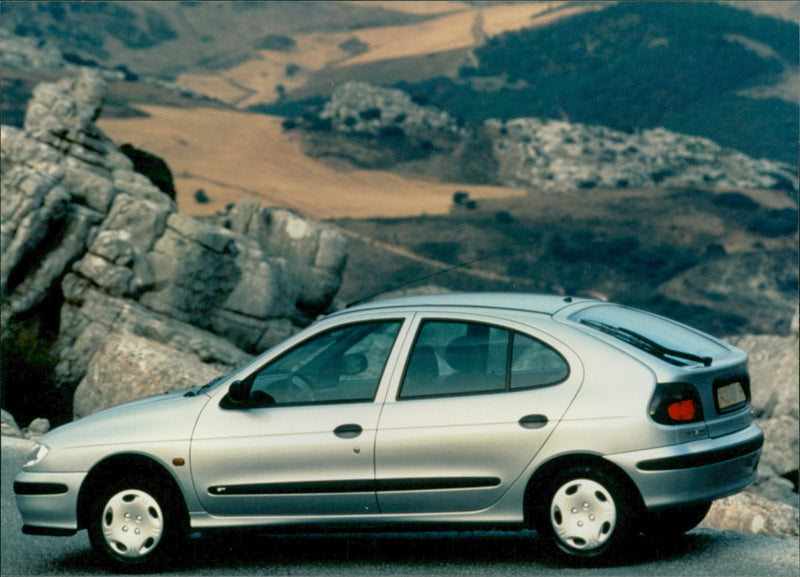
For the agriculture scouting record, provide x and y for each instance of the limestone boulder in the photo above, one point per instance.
(128, 367)
(749, 513)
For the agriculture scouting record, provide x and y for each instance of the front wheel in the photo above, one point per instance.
(134, 523)
(585, 513)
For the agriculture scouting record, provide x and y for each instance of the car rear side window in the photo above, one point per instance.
(458, 358)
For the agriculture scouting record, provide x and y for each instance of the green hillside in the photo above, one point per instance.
(638, 65)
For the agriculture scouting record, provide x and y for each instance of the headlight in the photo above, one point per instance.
(36, 454)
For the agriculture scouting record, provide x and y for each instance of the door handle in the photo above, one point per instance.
(349, 431)
(533, 421)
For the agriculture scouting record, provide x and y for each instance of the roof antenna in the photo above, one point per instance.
(416, 280)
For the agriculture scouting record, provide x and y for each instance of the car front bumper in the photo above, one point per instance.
(48, 502)
(695, 472)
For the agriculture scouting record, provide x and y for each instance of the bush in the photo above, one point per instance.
(460, 196)
(503, 217)
(200, 196)
(774, 223)
(370, 114)
(151, 166)
(354, 46)
(734, 200)
(276, 43)
(29, 390)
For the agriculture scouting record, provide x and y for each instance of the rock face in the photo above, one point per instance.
(775, 386)
(78, 221)
(554, 156)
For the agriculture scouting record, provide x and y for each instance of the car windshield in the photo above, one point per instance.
(655, 335)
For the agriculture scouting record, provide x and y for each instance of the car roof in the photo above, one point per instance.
(546, 304)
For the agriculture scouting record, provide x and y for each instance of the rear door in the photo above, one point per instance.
(472, 406)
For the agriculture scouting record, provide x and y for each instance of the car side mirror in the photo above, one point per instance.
(238, 392)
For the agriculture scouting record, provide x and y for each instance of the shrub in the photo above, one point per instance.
(151, 166)
(774, 223)
(735, 200)
(29, 390)
(200, 196)
(503, 217)
(370, 114)
(354, 46)
(460, 196)
(276, 43)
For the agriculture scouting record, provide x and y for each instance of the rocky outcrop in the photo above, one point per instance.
(551, 156)
(77, 220)
(554, 156)
(362, 108)
(9, 427)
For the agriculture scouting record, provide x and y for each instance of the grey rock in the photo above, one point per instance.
(774, 374)
(781, 444)
(8, 425)
(37, 428)
(127, 367)
(90, 316)
(29, 52)
(749, 513)
(76, 219)
(775, 387)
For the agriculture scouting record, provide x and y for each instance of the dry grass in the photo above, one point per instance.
(232, 155)
(459, 26)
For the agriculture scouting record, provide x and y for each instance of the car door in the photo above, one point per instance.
(474, 404)
(302, 443)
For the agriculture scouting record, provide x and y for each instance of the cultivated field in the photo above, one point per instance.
(233, 155)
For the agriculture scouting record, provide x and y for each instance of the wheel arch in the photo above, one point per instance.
(534, 491)
(116, 466)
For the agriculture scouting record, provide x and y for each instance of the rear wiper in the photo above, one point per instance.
(646, 344)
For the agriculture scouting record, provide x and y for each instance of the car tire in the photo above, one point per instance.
(585, 513)
(135, 524)
(675, 521)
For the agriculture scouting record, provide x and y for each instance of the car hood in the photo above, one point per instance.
(158, 418)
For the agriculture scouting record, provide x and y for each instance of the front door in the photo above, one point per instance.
(303, 444)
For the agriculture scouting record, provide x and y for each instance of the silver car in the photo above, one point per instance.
(586, 420)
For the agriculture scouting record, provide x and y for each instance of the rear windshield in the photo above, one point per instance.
(656, 335)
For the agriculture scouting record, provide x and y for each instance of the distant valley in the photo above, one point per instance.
(230, 95)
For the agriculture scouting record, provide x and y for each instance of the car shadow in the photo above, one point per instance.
(307, 553)
(384, 553)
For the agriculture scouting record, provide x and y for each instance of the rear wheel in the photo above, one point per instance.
(135, 523)
(585, 513)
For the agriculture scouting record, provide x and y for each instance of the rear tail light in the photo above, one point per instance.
(676, 404)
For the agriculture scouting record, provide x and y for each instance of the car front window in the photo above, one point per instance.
(341, 365)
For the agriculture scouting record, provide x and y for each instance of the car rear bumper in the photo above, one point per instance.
(696, 472)
(48, 502)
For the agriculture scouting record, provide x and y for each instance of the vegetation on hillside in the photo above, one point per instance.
(593, 243)
(638, 65)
